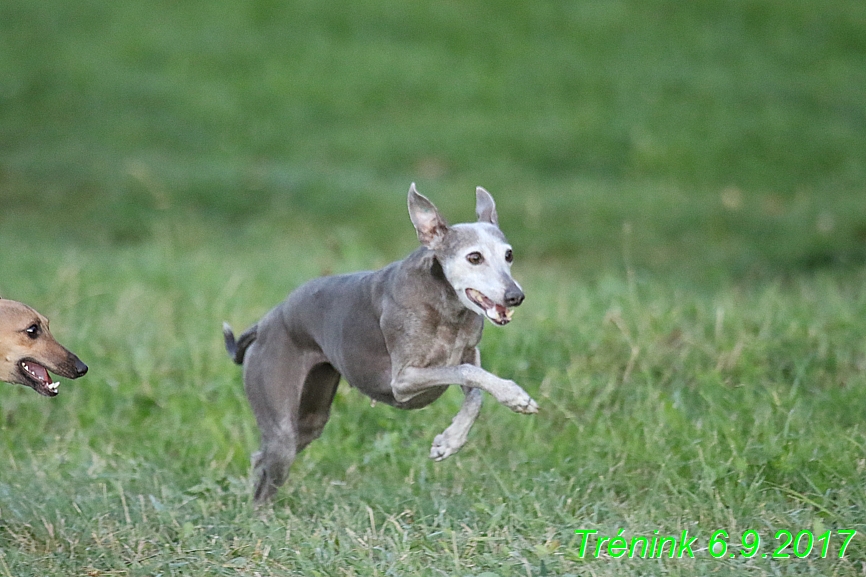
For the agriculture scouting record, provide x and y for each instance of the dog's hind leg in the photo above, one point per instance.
(271, 465)
(273, 382)
(320, 386)
(288, 430)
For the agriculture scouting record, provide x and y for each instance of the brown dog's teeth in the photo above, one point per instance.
(37, 371)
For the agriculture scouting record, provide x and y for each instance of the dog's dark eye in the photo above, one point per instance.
(509, 256)
(475, 258)
(33, 331)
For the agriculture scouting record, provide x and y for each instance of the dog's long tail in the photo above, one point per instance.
(237, 349)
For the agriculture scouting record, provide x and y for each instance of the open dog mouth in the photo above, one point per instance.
(497, 314)
(37, 377)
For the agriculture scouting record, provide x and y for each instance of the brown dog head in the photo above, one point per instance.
(28, 351)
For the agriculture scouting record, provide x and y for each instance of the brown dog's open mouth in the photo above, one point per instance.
(497, 314)
(37, 377)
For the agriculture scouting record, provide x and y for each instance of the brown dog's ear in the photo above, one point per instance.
(485, 208)
(429, 224)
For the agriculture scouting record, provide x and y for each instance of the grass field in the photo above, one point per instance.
(685, 188)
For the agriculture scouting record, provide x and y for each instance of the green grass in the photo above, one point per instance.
(685, 188)
(577, 115)
(663, 408)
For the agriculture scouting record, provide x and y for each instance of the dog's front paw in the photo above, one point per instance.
(527, 406)
(445, 445)
(519, 401)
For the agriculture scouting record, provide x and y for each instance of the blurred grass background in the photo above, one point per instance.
(729, 135)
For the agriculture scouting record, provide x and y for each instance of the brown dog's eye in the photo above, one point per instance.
(33, 331)
(475, 258)
(509, 256)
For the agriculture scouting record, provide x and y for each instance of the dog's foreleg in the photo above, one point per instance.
(412, 380)
(454, 437)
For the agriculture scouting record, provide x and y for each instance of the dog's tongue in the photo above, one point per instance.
(38, 371)
(44, 384)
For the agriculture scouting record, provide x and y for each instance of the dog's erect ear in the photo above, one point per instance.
(485, 208)
(429, 224)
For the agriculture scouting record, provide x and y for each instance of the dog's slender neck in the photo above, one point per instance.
(448, 304)
(437, 273)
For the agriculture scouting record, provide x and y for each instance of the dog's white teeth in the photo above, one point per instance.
(498, 315)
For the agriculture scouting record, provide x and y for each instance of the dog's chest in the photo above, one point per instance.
(447, 345)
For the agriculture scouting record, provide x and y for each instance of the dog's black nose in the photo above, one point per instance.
(80, 368)
(513, 297)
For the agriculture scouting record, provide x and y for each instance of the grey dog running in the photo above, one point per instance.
(401, 335)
